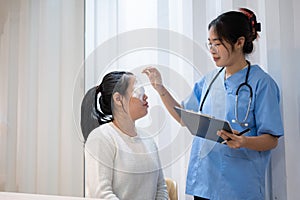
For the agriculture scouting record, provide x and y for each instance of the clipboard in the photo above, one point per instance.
(202, 125)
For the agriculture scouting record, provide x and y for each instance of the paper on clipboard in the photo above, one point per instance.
(203, 125)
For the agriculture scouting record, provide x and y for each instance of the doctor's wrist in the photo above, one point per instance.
(162, 91)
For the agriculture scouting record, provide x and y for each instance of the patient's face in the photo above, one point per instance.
(138, 105)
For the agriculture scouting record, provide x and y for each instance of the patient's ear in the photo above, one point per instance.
(117, 97)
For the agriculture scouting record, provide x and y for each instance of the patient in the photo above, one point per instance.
(122, 162)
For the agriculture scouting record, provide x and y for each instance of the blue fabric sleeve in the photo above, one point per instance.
(192, 102)
(267, 108)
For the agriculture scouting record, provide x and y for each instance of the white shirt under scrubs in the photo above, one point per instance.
(216, 171)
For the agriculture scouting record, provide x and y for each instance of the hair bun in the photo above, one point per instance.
(252, 20)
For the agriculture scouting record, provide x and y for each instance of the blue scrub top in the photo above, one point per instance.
(216, 171)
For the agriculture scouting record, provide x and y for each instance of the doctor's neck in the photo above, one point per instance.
(235, 67)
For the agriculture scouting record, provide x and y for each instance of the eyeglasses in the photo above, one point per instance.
(139, 93)
(213, 47)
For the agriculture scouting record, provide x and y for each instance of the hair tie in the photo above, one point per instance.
(252, 19)
(257, 27)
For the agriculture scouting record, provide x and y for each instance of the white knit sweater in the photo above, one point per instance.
(122, 167)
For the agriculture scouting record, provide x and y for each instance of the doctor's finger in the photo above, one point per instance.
(228, 135)
(222, 135)
(149, 70)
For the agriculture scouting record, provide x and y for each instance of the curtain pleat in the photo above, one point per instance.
(41, 55)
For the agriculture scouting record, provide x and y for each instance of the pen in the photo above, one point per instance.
(239, 134)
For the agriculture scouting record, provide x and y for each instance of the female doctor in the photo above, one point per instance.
(241, 93)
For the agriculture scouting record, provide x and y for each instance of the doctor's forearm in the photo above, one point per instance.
(169, 102)
(261, 143)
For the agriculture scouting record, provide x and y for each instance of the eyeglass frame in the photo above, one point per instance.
(213, 47)
(139, 93)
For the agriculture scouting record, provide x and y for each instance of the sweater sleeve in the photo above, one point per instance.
(100, 152)
(162, 192)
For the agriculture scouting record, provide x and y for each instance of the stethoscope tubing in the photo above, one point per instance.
(242, 123)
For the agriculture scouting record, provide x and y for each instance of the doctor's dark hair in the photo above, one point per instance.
(231, 25)
(116, 81)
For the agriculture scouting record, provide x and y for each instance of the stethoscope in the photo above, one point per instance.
(236, 120)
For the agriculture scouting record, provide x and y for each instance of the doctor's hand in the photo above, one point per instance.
(155, 78)
(235, 141)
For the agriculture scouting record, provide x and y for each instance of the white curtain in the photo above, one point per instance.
(124, 27)
(41, 52)
(283, 49)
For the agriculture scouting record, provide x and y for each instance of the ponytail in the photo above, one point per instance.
(102, 118)
(116, 81)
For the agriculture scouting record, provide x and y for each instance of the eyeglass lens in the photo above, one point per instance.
(212, 47)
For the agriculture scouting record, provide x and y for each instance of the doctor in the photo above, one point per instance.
(241, 93)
